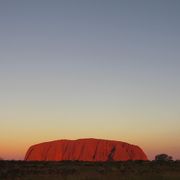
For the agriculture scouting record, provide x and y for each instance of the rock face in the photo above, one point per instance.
(84, 150)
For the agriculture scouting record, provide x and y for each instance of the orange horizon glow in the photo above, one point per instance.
(18, 151)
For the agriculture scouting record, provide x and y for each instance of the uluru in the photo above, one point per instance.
(85, 150)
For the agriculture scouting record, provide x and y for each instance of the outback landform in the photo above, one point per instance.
(92, 150)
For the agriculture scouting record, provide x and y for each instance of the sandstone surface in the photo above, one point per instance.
(84, 150)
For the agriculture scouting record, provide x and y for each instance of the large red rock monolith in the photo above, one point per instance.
(84, 150)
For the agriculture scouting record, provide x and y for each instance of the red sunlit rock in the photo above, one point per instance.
(85, 150)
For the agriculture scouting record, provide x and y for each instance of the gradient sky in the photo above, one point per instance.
(90, 68)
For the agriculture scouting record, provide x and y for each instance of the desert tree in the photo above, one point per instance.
(163, 157)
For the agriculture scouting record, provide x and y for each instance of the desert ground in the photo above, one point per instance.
(74, 170)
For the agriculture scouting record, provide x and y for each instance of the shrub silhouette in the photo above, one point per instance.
(163, 157)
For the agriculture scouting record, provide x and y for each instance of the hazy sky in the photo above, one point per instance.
(90, 68)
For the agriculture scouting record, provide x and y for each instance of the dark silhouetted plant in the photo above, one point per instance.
(163, 157)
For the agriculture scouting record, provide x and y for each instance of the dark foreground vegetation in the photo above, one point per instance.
(131, 170)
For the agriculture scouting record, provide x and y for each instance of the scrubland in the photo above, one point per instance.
(73, 170)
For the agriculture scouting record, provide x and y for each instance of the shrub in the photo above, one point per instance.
(163, 157)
